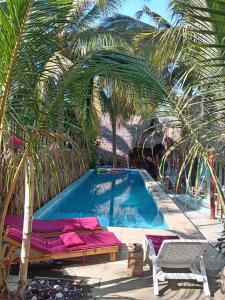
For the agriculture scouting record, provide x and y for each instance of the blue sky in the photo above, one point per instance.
(130, 7)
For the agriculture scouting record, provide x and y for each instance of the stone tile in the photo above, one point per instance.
(141, 288)
(94, 271)
(116, 230)
(13, 283)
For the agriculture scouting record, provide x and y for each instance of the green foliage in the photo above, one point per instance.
(197, 44)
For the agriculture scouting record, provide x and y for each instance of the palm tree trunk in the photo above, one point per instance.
(27, 227)
(113, 119)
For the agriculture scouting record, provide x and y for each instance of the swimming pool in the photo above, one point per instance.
(116, 199)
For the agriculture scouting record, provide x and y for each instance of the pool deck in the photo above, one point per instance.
(110, 280)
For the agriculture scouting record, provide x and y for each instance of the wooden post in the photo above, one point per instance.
(27, 227)
(212, 184)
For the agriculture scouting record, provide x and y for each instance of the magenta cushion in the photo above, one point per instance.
(157, 240)
(62, 225)
(55, 245)
(70, 239)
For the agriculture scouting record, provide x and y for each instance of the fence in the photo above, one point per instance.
(54, 170)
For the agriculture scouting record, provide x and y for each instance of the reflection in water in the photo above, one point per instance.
(112, 201)
(116, 199)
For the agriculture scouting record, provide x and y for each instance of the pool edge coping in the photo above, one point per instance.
(177, 220)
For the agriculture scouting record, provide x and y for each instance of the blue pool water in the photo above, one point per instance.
(120, 200)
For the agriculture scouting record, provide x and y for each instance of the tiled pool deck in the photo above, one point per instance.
(110, 280)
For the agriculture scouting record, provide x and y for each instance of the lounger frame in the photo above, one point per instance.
(38, 256)
(177, 254)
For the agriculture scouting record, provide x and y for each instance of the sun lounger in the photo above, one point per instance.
(49, 248)
(56, 227)
(177, 254)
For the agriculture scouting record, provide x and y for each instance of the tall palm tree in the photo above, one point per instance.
(119, 100)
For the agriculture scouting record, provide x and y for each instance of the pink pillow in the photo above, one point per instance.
(70, 239)
(157, 240)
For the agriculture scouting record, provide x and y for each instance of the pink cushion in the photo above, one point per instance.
(70, 239)
(157, 240)
(61, 225)
(88, 223)
(55, 245)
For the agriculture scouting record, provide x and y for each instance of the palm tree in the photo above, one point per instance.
(119, 101)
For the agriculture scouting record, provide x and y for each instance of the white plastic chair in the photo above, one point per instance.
(177, 254)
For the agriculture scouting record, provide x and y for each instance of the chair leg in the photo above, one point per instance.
(155, 278)
(204, 276)
(195, 270)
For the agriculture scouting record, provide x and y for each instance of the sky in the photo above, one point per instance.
(130, 7)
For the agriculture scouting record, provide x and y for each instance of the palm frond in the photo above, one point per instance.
(160, 22)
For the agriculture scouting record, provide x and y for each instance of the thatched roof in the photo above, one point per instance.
(136, 133)
(126, 138)
(172, 130)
